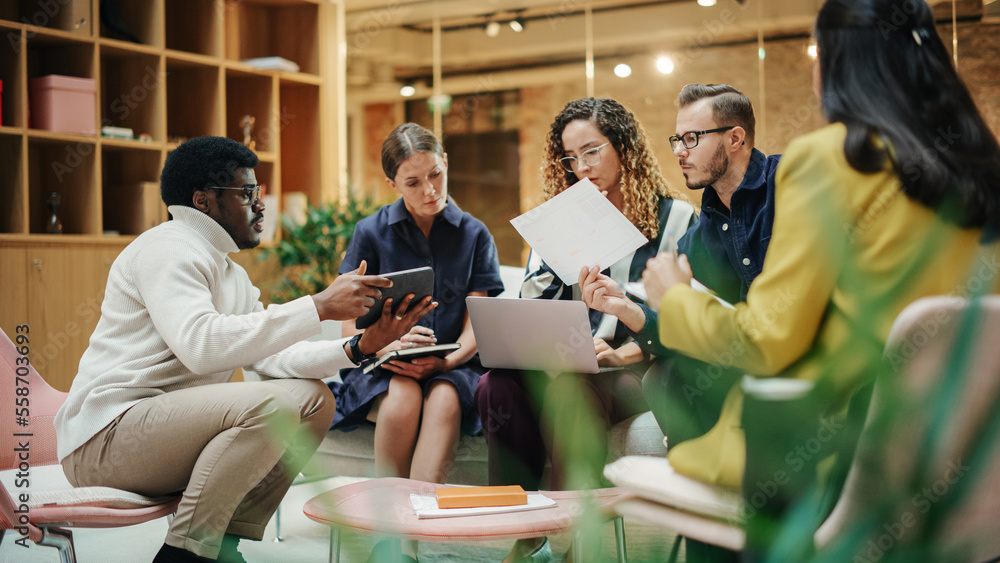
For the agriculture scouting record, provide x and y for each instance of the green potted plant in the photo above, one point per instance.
(310, 253)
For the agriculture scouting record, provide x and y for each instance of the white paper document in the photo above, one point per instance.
(578, 228)
(426, 506)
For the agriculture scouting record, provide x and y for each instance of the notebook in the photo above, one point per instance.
(533, 334)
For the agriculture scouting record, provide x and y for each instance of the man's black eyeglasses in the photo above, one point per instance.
(690, 139)
(251, 192)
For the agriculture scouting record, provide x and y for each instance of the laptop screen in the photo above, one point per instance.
(533, 334)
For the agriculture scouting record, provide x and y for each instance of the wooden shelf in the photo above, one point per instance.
(43, 136)
(69, 169)
(132, 95)
(181, 58)
(50, 35)
(300, 139)
(195, 26)
(267, 156)
(152, 146)
(138, 23)
(125, 47)
(12, 75)
(263, 29)
(171, 69)
(13, 199)
(188, 117)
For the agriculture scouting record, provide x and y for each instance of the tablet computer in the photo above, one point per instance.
(418, 281)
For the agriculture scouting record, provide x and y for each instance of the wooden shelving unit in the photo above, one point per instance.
(185, 77)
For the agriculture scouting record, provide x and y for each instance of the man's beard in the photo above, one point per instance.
(716, 169)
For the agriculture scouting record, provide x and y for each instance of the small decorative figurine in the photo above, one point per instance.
(55, 225)
(247, 124)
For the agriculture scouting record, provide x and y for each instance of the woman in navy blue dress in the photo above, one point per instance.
(420, 407)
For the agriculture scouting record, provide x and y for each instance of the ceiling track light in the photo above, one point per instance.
(517, 24)
(492, 28)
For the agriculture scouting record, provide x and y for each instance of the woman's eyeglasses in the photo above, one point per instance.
(589, 157)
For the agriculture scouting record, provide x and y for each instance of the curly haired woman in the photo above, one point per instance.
(528, 417)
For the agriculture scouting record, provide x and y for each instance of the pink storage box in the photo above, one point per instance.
(63, 103)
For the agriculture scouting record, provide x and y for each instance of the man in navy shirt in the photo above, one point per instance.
(726, 247)
(714, 145)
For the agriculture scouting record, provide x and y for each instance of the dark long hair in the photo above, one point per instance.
(887, 76)
(642, 184)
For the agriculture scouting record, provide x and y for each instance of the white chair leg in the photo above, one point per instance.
(277, 525)
(62, 540)
(334, 545)
(577, 546)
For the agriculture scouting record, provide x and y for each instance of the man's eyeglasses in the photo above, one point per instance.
(251, 192)
(690, 139)
(589, 157)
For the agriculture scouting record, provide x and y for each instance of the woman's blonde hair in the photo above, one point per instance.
(642, 184)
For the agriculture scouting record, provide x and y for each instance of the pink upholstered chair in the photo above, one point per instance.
(930, 357)
(36, 500)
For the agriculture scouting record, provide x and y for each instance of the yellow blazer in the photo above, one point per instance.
(848, 252)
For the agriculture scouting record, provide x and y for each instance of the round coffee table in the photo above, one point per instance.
(382, 506)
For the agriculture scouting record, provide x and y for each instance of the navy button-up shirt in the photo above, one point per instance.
(460, 249)
(726, 251)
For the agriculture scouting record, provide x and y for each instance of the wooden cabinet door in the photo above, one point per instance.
(14, 288)
(65, 290)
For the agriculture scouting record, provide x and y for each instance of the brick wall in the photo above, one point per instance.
(786, 106)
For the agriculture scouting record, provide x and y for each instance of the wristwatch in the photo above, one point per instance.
(356, 356)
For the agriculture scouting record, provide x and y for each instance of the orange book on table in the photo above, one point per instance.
(475, 497)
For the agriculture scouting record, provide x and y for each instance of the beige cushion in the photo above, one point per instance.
(705, 530)
(653, 478)
(49, 487)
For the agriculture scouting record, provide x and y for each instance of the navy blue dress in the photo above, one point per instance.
(464, 257)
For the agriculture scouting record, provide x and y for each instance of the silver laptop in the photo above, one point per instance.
(533, 334)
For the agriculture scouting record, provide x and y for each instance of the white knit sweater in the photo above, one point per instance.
(178, 313)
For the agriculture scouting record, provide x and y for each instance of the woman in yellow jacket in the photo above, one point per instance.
(886, 204)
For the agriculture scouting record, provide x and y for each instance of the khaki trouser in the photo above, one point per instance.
(232, 448)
